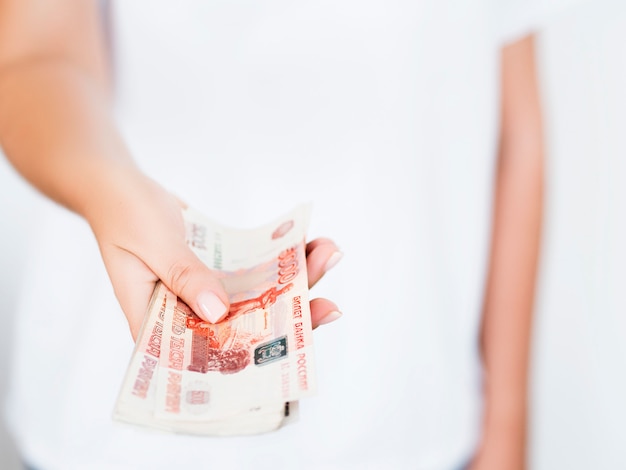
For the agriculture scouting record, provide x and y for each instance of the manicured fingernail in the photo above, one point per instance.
(333, 260)
(212, 307)
(331, 317)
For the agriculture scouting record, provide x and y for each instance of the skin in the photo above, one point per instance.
(506, 327)
(56, 128)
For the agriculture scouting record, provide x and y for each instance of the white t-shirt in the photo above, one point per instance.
(384, 114)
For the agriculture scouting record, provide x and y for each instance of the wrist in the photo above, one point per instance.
(113, 192)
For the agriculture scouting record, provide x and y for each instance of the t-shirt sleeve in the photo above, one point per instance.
(515, 19)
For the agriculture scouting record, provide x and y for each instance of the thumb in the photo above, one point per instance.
(191, 280)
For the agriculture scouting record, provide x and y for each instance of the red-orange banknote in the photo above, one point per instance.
(244, 374)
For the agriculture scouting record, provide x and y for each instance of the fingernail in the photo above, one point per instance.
(331, 317)
(212, 307)
(333, 260)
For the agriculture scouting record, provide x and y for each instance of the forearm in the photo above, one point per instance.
(57, 130)
(515, 247)
(510, 298)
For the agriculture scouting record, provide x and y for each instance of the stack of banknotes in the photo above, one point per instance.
(244, 374)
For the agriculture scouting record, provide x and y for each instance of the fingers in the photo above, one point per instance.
(180, 270)
(191, 280)
(165, 251)
(321, 255)
(323, 311)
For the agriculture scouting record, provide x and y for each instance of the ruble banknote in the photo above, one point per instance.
(244, 374)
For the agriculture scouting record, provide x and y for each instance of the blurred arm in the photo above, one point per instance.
(55, 122)
(57, 129)
(515, 247)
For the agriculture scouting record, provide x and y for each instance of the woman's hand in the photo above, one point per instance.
(141, 234)
(55, 89)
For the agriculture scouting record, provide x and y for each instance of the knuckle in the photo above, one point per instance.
(179, 275)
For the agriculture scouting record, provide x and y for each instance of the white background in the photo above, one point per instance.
(579, 387)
